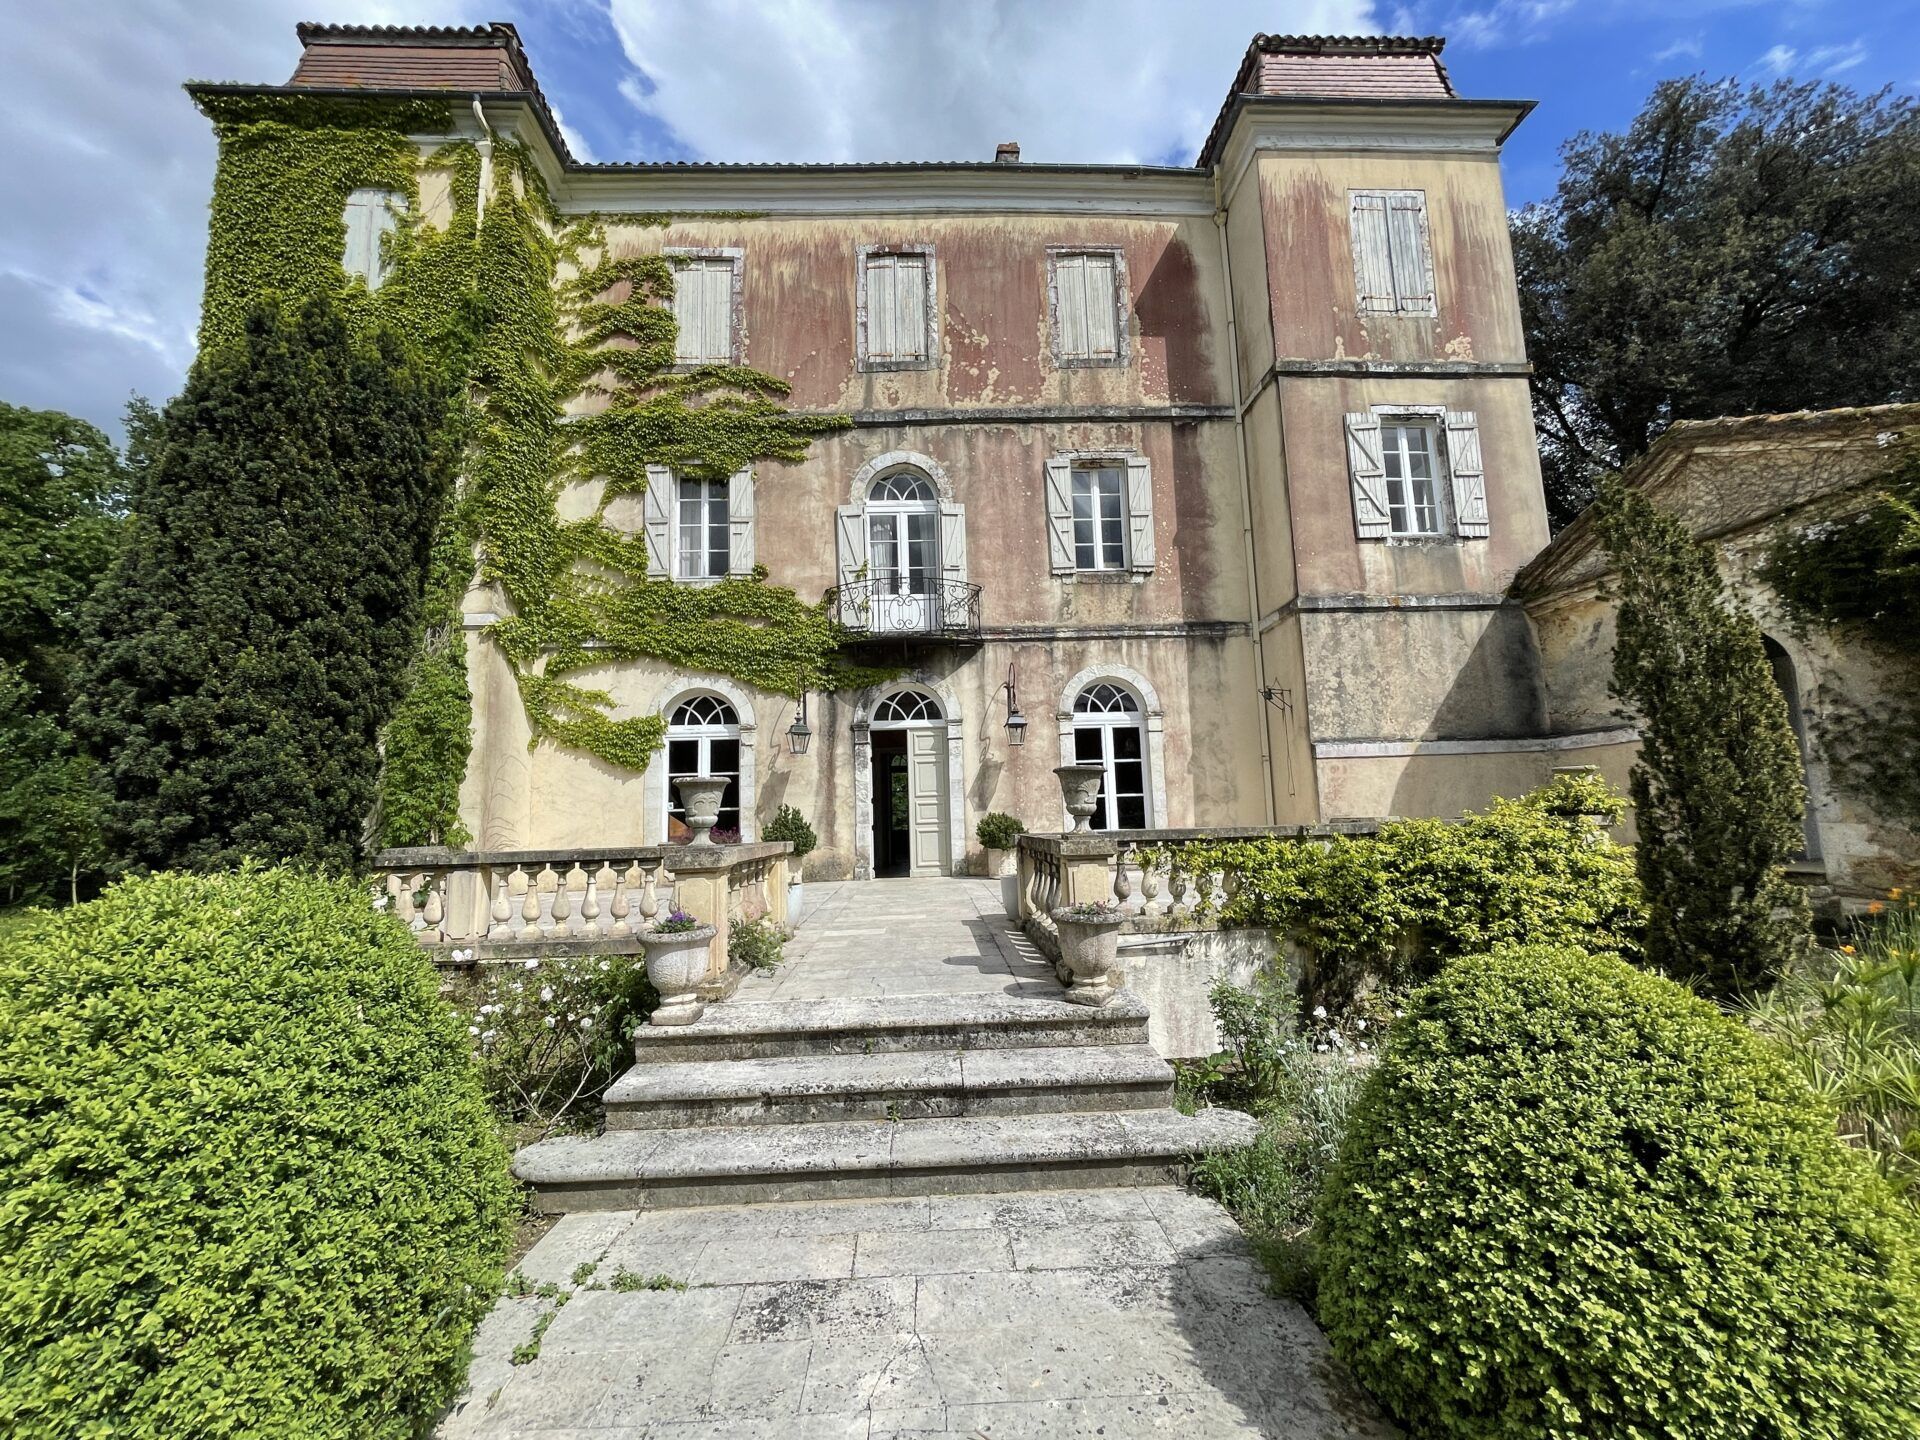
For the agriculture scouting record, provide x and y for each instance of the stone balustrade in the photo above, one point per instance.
(468, 907)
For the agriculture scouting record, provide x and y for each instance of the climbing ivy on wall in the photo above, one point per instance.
(530, 310)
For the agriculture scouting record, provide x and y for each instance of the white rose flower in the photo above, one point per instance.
(1319, 1012)
(587, 1024)
(473, 1029)
(546, 992)
(549, 1022)
(531, 964)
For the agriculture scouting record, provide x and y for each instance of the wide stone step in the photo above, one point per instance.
(868, 1026)
(740, 1164)
(890, 1085)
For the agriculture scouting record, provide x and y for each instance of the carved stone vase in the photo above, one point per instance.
(701, 794)
(1080, 787)
(677, 965)
(1089, 952)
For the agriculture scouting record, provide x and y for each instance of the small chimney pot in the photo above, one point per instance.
(1007, 153)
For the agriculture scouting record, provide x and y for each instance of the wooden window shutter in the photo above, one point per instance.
(1070, 298)
(688, 312)
(1060, 515)
(1471, 518)
(1102, 306)
(1370, 518)
(1139, 513)
(740, 537)
(1412, 256)
(1372, 253)
(953, 542)
(850, 533)
(369, 217)
(880, 306)
(909, 307)
(657, 513)
(717, 327)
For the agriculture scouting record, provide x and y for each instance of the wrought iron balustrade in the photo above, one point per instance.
(882, 609)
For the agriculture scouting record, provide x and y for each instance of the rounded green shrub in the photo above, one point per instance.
(248, 1183)
(1574, 1200)
(998, 831)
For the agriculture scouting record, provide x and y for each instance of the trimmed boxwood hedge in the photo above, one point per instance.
(1574, 1200)
(248, 1183)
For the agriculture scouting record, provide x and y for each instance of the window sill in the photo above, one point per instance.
(1069, 362)
(881, 367)
(1104, 577)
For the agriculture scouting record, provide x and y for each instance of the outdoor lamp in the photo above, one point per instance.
(1016, 722)
(799, 734)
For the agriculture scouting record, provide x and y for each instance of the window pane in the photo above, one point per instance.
(884, 544)
(1132, 810)
(1087, 748)
(1126, 743)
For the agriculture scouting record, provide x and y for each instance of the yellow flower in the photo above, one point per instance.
(1846, 949)
(1875, 908)
(1894, 894)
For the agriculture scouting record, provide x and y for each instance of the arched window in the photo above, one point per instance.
(1781, 664)
(703, 738)
(903, 538)
(908, 707)
(1109, 731)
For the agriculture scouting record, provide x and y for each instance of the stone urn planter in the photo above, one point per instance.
(1080, 787)
(701, 794)
(999, 863)
(796, 894)
(677, 966)
(1089, 951)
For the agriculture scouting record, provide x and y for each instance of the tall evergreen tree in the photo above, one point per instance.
(1735, 251)
(1717, 791)
(253, 635)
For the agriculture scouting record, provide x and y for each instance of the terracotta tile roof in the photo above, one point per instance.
(1336, 67)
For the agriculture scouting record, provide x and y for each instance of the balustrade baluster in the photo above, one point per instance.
(435, 910)
(529, 904)
(621, 907)
(562, 908)
(590, 903)
(403, 904)
(1216, 891)
(1150, 885)
(501, 912)
(1122, 883)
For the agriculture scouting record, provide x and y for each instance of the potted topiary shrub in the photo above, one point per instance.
(677, 950)
(998, 834)
(791, 826)
(1089, 949)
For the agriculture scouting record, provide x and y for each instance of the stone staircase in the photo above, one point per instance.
(853, 1098)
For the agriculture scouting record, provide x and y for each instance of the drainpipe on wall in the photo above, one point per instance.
(1246, 499)
(485, 146)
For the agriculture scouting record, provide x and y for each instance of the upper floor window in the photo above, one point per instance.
(370, 217)
(1417, 474)
(704, 548)
(1392, 258)
(698, 529)
(1099, 513)
(1086, 291)
(898, 308)
(706, 305)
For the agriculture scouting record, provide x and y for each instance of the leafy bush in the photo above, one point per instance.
(248, 1181)
(755, 943)
(790, 825)
(998, 831)
(1397, 905)
(1575, 1200)
(1849, 1021)
(552, 1034)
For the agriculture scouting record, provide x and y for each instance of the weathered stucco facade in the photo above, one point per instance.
(1309, 401)
(1738, 485)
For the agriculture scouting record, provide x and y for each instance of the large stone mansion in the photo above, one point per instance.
(1214, 476)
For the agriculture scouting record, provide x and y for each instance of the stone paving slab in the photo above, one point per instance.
(1110, 1313)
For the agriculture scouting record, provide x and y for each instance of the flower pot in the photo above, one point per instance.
(1089, 951)
(999, 863)
(795, 894)
(1080, 788)
(677, 966)
(701, 794)
(1010, 895)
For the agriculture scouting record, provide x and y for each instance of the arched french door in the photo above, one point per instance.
(903, 552)
(1109, 730)
(703, 738)
(907, 737)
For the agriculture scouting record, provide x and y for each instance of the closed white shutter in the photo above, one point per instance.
(953, 542)
(1370, 518)
(880, 278)
(1139, 513)
(850, 534)
(1412, 257)
(897, 307)
(1070, 295)
(703, 308)
(1471, 518)
(1060, 516)
(1102, 308)
(740, 537)
(1372, 252)
(657, 518)
(369, 217)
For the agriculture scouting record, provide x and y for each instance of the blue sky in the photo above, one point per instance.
(101, 255)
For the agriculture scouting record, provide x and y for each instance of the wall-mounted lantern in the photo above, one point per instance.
(1016, 722)
(800, 734)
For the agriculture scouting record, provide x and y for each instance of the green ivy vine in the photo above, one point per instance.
(524, 310)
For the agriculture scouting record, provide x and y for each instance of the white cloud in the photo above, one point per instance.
(1508, 22)
(1780, 59)
(1685, 48)
(839, 80)
(1823, 60)
(110, 167)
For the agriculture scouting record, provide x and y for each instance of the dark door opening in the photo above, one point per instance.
(892, 848)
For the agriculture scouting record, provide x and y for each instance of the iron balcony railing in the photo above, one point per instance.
(881, 609)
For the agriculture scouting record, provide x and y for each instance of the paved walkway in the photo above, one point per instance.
(1055, 1316)
(903, 937)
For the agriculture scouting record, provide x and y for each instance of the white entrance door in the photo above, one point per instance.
(927, 799)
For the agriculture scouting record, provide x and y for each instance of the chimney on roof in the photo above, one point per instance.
(483, 58)
(1007, 152)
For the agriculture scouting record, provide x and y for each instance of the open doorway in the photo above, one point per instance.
(892, 829)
